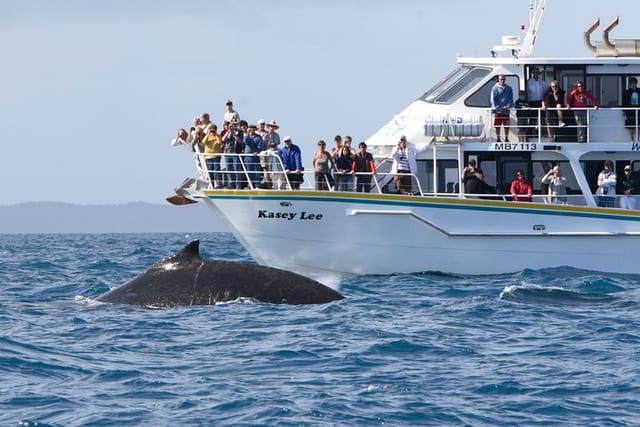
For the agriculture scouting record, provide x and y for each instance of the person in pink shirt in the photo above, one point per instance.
(580, 98)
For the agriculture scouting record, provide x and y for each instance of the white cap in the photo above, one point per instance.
(287, 138)
(261, 121)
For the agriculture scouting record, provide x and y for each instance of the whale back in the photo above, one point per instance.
(186, 279)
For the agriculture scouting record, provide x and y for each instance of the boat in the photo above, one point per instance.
(440, 227)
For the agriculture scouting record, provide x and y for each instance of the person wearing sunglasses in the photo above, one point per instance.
(501, 102)
(521, 190)
(580, 99)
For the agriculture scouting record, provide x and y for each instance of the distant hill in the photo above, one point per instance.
(137, 217)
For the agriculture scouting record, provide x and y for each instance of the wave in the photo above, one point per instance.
(540, 295)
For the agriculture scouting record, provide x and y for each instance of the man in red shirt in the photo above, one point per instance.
(580, 98)
(520, 188)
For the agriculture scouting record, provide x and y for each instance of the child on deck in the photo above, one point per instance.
(523, 114)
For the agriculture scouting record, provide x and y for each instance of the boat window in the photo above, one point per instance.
(447, 175)
(456, 84)
(482, 97)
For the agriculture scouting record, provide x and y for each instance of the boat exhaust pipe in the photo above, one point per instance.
(587, 36)
(629, 48)
(605, 33)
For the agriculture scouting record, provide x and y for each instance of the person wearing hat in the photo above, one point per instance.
(404, 164)
(272, 136)
(230, 115)
(261, 129)
(631, 187)
(252, 148)
(607, 186)
(292, 163)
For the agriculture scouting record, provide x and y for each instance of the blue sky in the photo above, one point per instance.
(93, 92)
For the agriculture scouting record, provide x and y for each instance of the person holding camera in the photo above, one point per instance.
(233, 145)
(473, 179)
(557, 185)
(404, 165)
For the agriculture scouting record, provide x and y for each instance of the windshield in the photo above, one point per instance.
(456, 84)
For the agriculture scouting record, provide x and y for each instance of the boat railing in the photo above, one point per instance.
(239, 171)
(246, 176)
(605, 124)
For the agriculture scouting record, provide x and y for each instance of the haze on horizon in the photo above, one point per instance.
(94, 91)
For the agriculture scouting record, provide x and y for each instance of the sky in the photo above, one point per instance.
(93, 92)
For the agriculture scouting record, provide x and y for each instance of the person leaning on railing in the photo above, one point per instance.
(364, 167)
(554, 97)
(292, 163)
(273, 176)
(322, 164)
(344, 169)
(580, 98)
(520, 190)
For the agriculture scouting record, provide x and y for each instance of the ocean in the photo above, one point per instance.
(551, 347)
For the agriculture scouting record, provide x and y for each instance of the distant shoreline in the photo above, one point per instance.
(134, 217)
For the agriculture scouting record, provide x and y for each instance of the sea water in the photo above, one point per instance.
(551, 347)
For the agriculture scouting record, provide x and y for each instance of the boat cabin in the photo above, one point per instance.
(453, 122)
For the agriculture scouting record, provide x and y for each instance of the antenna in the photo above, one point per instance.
(536, 9)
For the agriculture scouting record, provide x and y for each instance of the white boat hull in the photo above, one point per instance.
(383, 234)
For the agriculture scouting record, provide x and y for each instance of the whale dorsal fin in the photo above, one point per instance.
(189, 252)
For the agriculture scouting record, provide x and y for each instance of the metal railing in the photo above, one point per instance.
(245, 174)
(240, 171)
(565, 128)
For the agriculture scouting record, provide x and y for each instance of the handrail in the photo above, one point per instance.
(540, 124)
(245, 174)
(614, 201)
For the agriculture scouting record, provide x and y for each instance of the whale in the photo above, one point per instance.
(187, 279)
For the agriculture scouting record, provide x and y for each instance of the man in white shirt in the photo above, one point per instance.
(231, 114)
(536, 88)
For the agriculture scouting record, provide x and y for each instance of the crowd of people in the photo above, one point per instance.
(553, 185)
(554, 105)
(245, 155)
(548, 98)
